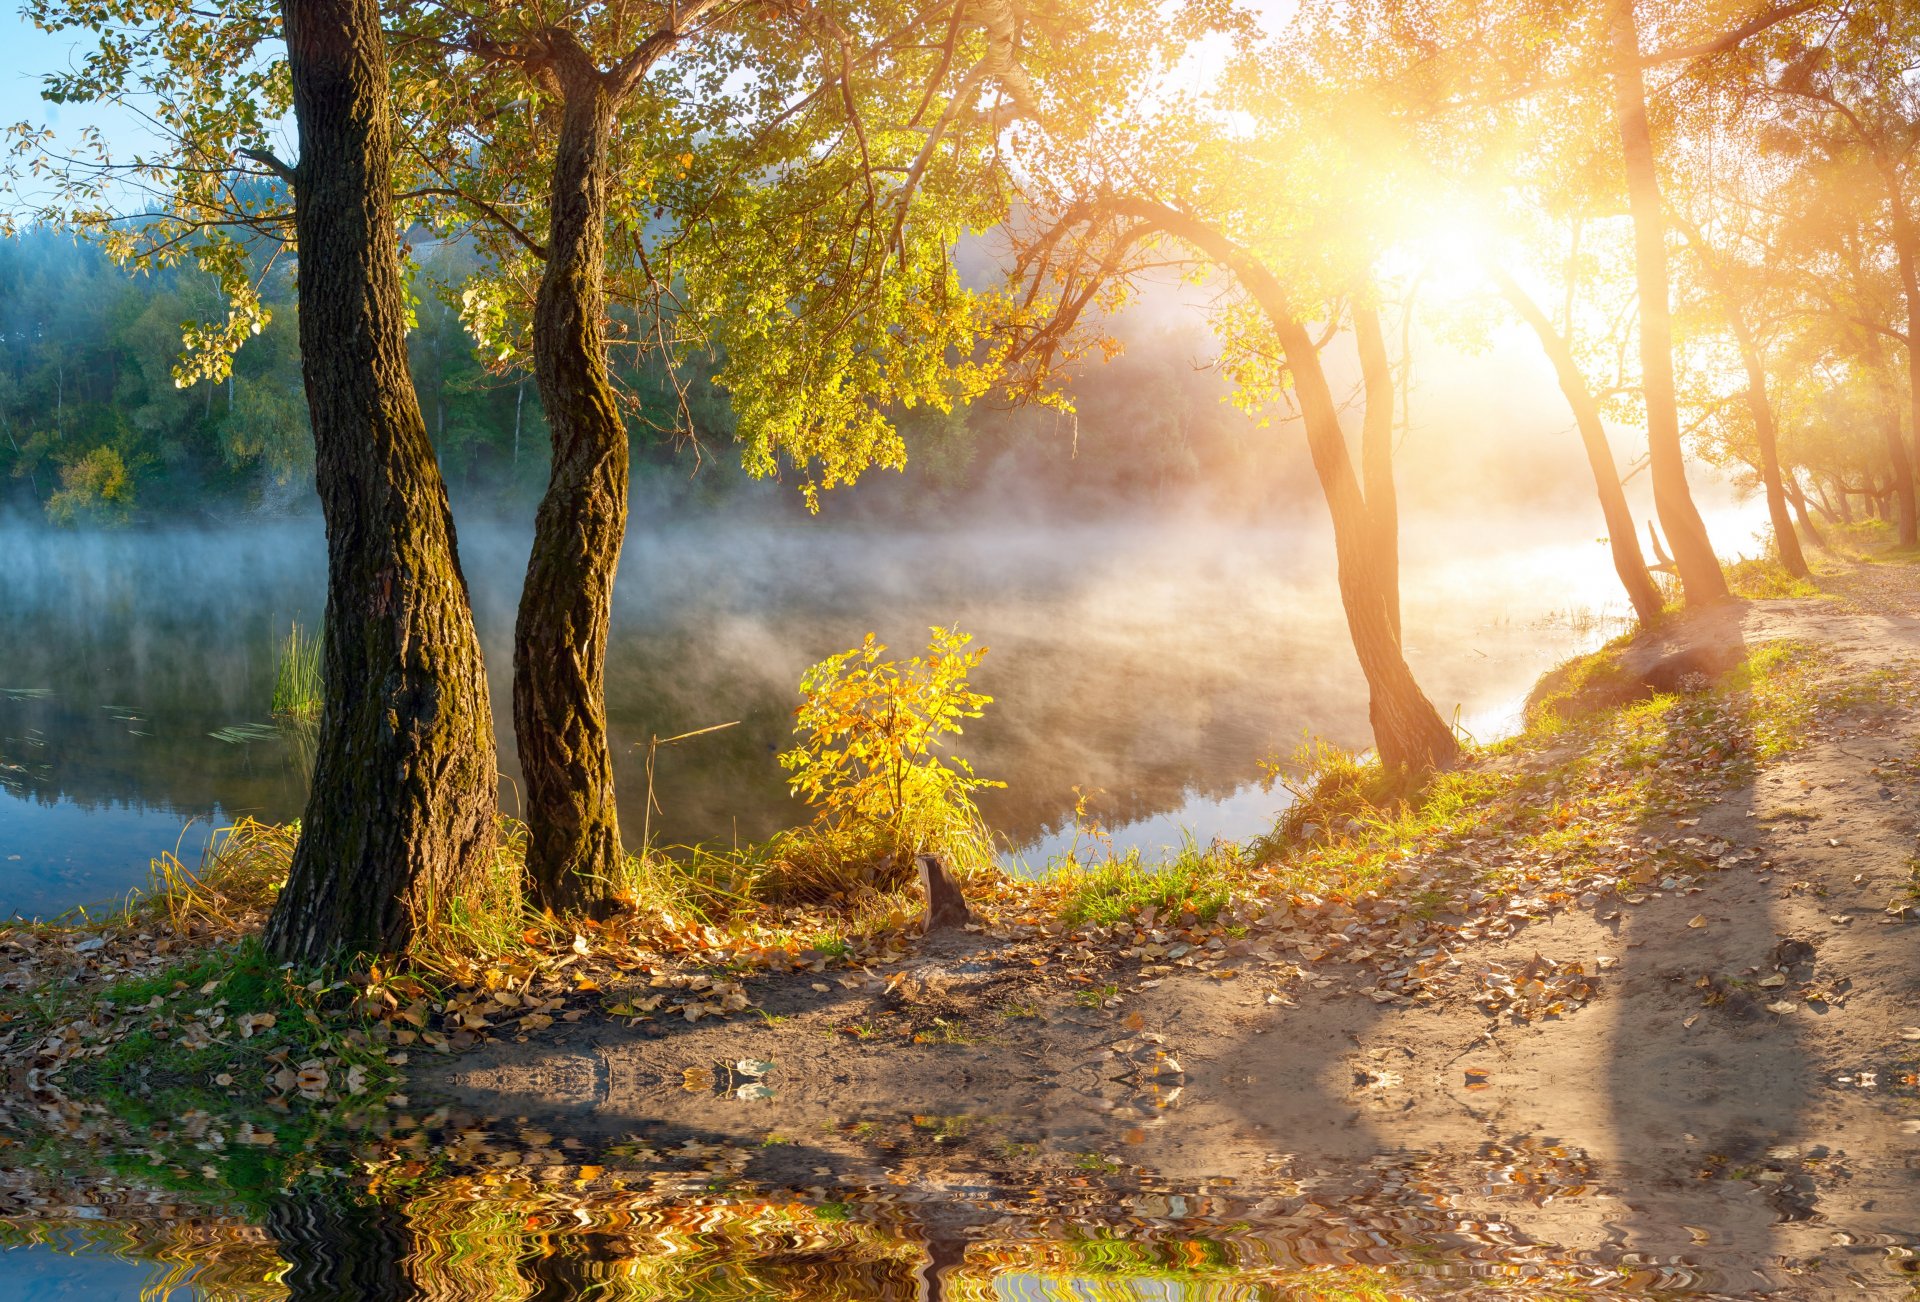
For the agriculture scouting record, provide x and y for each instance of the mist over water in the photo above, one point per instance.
(1154, 660)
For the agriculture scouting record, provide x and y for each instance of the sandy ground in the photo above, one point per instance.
(1734, 1113)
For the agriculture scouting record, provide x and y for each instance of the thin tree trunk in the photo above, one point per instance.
(560, 639)
(1766, 434)
(1902, 483)
(400, 819)
(1845, 508)
(1628, 561)
(1376, 455)
(1820, 499)
(1700, 575)
(1408, 732)
(1798, 497)
(519, 402)
(1906, 247)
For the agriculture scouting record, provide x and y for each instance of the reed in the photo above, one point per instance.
(297, 689)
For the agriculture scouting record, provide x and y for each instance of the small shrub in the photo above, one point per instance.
(869, 761)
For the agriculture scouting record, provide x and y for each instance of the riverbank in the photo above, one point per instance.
(1622, 1003)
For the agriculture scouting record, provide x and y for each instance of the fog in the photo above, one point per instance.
(1154, 659)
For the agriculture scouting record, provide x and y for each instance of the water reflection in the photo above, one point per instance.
(1156, 663)
(458, 1207)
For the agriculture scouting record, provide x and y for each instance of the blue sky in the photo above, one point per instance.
(26, 54)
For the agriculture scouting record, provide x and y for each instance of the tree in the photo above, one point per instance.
(732, 160)
(399, 824)
(1699, 568)
(1622, 538)
(1732, 294)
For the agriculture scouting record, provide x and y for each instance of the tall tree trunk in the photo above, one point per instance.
(1906, 247)
(1798, 497)
(1408, 732)
(560, 638)
(1902, 483)
(1628, 561)
(1767, 435)
(1765, 432)
(1700, 575)
(1376, 455)
(400, 819)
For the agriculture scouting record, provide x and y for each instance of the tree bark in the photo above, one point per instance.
(1408, 732)
(400, 819)
(1376, 455)
(1628, 561)
(560, 638)
(1700, 575)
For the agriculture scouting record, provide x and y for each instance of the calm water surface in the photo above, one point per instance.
(1153, 662)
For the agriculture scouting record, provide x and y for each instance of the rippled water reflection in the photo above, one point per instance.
(698, 1224)
(451, 1205)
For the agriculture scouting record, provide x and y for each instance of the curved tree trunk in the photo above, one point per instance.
(1700, 575)
(1843, 509)
(1628, 561)
(1408, 732)
(560, 638)
(1798, 497)
(400, 819)
(1376, 455)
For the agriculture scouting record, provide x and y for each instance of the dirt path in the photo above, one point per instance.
(1734, 1111)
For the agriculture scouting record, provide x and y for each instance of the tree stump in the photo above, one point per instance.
(946, 906)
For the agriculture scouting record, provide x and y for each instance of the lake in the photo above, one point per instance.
(1153, 662)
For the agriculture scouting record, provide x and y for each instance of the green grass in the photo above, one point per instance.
(1596, 680)
(297, 688)
(1760, 578)
(1193, 881)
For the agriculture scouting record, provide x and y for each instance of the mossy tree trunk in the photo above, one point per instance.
(399, 822)
(1622, 539)
(1700, 574)
(560, 638)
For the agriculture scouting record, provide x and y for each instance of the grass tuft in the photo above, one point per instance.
(297, 687)
(1193, 881)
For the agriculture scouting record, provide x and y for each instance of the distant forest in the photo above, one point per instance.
(93, 430)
